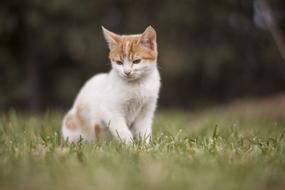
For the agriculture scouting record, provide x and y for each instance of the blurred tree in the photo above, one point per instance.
(29, 53)
(270, 22)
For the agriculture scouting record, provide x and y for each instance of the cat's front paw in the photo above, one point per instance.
(127, 139)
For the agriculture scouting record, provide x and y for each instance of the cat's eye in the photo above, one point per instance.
(119, 62)
(137, 61)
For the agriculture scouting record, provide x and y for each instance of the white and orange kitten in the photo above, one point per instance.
(123, 100)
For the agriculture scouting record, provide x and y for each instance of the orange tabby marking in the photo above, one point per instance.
(129, 47)
(97, 130)
(76, 121)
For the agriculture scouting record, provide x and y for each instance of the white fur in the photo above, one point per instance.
(124, 104)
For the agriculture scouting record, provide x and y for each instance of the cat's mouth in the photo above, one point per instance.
(130, 77)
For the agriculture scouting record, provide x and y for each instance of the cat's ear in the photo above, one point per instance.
(148, 38)
(111, 38)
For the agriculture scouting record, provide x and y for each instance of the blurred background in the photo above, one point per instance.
(210, 52)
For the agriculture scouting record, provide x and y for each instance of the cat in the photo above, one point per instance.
(123, 100)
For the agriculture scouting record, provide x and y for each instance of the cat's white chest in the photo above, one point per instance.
(134, 103)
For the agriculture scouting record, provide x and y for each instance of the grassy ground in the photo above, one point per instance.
(241, 146)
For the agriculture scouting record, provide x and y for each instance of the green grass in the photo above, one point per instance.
(224, 148)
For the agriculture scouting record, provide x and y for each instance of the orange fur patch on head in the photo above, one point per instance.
(132, 47)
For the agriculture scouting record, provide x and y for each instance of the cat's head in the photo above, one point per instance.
(132, 56)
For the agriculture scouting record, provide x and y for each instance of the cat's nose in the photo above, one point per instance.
(127, 72)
